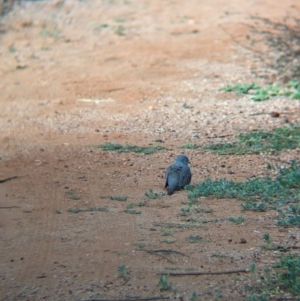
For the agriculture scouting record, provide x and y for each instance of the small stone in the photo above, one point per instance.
(274, 114)
(243, 241)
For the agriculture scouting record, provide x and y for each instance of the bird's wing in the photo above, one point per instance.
(185, 176)
(173, 174)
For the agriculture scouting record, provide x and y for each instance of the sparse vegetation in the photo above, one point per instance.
(259, 94)
(190, 146)
(154, 195)
(218, 255)
(147, 150)
(87, 210)
(195, 239)
(122, 272)
(283, 277)
(118, 198)
(285, 188)
(132, 211)
(139, 245)
(237, 220)
(71, 194)
(258, 142)
(164, 283)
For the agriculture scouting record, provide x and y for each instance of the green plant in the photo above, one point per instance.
(168, 241)
(139, 245)
(252, 206)
(266, 238)
(259, 94)
(147, 150)
(119, 198)
(240, 89)
(164, 283)
(218, 255)
(154, 195)
(193, 296)
(257, 142)
(72, 195)
(195, 239)
(290, 216)
(191, 146)
(76, 210)
(272, 193)
(87, 210)
(122, 272)
(185, 211)
(237, 220)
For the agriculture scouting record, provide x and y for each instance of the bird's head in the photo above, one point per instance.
(183, 159)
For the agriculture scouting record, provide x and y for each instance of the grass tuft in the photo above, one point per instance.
(154, 195)
(237, 220)
(195, 239)
(260, 194)
(88, 210)
(259, 94)
(119, 198)
(190, 146)
(258, 142)
(147, 150)
(164, 283)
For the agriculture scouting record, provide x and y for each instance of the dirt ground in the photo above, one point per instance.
(76, 74)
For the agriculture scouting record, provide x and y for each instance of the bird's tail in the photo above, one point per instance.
(172, 185)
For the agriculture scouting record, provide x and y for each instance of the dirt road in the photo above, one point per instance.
(77, 74)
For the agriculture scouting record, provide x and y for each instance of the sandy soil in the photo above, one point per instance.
(76, 74)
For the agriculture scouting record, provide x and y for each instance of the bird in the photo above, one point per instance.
(178, 174)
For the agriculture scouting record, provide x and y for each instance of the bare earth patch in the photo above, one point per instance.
(79, 74)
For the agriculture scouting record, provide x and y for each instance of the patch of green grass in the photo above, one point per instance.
(165, 232)
(101, 209)
(185, 211)
(240, 89)
(164, 283)
(290, 217)
(218, 255)
(147, 150)
(252, 206)
(118, 198)
(168, 241)
(88, 210)
(273, 193)
(72, 196)
(195, 239)
(76, 210)
(154, 195)
(237, 220)
(284, 276)
(190, 219)
(176, 225)
(190, 146)
(122, 272)
(139, 245)
(257, 142)
(264, 93)
(193, 296)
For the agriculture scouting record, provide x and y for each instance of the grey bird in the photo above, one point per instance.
(178, 174)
